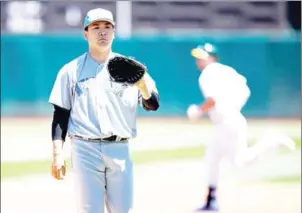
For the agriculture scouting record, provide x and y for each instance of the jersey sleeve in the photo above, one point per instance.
(209, 85)
(61, 92)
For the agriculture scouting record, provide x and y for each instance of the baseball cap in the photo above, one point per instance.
(205, 50)
(98, 14)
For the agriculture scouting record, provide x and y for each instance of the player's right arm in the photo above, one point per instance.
(60, 98)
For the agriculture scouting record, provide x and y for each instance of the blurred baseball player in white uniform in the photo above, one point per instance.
(226, 92)
(99, 115)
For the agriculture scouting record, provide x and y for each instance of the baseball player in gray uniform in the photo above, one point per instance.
(99, 116)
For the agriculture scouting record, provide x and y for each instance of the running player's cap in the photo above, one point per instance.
(204, 51)
(98, 14)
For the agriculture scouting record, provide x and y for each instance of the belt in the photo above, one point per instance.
(108, 139)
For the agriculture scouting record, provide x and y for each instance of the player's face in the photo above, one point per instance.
(100, 35)
(201, 63)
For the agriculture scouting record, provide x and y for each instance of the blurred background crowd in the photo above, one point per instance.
(152, 16)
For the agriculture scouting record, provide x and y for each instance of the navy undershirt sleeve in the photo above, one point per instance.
(152, 103)
(59, 123)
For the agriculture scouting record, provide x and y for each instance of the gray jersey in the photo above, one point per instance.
(99, 107)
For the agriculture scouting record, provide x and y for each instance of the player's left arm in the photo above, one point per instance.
(207, 105)
(148, 93)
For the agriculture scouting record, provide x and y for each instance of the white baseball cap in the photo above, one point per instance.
(98, 14)
(204, 51)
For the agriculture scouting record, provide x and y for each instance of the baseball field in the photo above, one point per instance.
(169, 169)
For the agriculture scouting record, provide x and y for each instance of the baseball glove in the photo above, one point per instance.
(125, 70)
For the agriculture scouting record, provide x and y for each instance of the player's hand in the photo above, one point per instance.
(58, 167)
(193, 112)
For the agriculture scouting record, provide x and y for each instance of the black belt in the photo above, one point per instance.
(108, 139)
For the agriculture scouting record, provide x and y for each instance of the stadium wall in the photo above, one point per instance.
(272, 65)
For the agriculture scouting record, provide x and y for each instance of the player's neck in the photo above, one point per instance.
(99, 56)
(209, 63)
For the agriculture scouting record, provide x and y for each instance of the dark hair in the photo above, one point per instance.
(86, 28)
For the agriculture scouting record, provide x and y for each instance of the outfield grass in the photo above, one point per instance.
(286, 179)
(17, 169)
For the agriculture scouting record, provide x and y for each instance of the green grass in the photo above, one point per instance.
(286, 179)
(298, 142)
(17, 169)
(291, 179)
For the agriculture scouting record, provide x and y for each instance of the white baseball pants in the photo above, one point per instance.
(230, 143)
(102, 175)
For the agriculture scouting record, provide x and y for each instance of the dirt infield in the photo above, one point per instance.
(161, 188)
